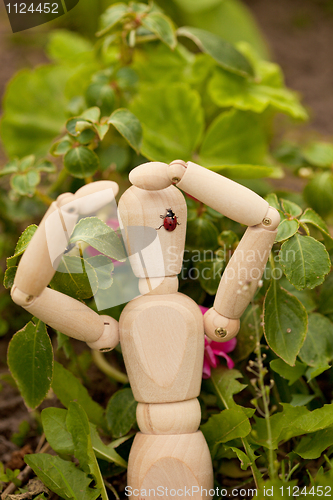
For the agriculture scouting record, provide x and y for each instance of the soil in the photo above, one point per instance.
(300, 34)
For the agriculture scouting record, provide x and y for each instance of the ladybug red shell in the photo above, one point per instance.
(170, 221)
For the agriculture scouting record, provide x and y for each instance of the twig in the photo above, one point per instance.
(106, 368)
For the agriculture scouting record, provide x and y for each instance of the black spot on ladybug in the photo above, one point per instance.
(170, 221)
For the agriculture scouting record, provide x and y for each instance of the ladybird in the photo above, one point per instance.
(170, 221)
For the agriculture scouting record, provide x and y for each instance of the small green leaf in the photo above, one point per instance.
(8, 279)
(46, 166)
(291, 373)
(291, 208)
(10, 168)
(100, 236)
(243, 458)
(103, 267)
(286, 229)
(246, 337)
(106, 452)
(60, 148)
(75, 277)
(317, 349)
(62, 477)
(91, 115)
(210, 272)
(326, 296)
(201, 234)
(319, 154)
(56, 432)
(25, 184)
(223, 52)
(285, 323)
(101, 95)
(30, 360)
(68, 388)
(226, 385)
(161, 26)
(128, 126)
(243, 142)
(22, 244)
(304, 261)
(112, 16)
(273, 201)
(311, 217)
(313, 445)
(121, 412)
(172, 121)
(81, 162)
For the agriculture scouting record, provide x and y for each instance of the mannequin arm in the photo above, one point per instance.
(39, 263)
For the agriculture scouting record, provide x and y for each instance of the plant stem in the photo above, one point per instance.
(63, 174)
(44, 197)
(106, 368)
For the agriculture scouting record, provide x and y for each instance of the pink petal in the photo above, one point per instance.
(206, 369)
(230, 362)
(203, 309)
(209, 355)
(223, 346)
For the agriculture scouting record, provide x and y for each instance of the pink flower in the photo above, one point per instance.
(214, 349)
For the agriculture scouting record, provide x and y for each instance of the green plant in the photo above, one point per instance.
(140, 93)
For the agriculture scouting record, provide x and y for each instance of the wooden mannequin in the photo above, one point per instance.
(162, 331)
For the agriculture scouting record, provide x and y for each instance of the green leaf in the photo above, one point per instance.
(304, 261)
(326, 296)
(101, 95)
(62, 477)
(100, 236)
(10, 168)
(121, 412)
(210, 272)
(223, 52)
(112, 16)
(273, 201)
(243, 458)
(56, 432)
(78, 425)
(22, 244)
(285, 323)
(301, 399)
(317, 349)
(201, 234)
(8, 279)
(319, 154)
(103, 267)
(106, 452)
(246, 337)
(311, 217)
(30, 360)
(60, 148)
(313, 445)
(81, 162)
(91, 115)
(226, 385)
(291, 373)
(65, 46)
(46, 166)
(229, 90)
(226, 426)
(128, 126)
(243, 142)
(291, 208)
(161, 25)
(292, 422)
(25, 184)
(319, 193)
(35, 117)
(68, 388)
(75, 277)
(286, 229)
(172, 121)
(243, 171)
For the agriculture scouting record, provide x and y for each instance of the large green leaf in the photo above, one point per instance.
(223, 52)
(33, 118)
(81, 162)
(103, 267)
(111, 17)
(30, 359)
(228, 90)
(78, 425)
(201, 234)
(287, 229)
(291, 373)
(291, 422)
(285, 323)
(304, 261)
(56, 432)
(313, 445)
(75, 277)
(161, 25)
(172, 121)
(68, 388)
(246, 337)
(319, 192)
(22, 244)
(128, 126)
(62, 477)
(121, 412)
(100, 236)
(234, 137)
(317, 349)
(209, 272)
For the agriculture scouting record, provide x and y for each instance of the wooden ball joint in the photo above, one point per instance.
(162, 331)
